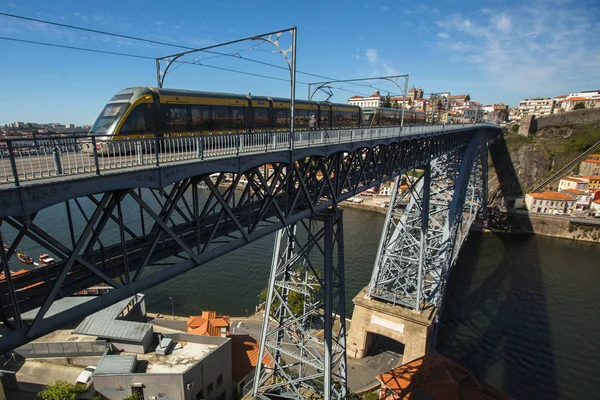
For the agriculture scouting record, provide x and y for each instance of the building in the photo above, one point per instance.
(595, 207)
(572, 183)
(415, 93)
(192, 367)
(123, 324)
(372, 101)
(244, 353)
(549, 202)
(593, 182)
(536, 106)
(590, 166)
(434, 377)
(582, 199)
(209, 324)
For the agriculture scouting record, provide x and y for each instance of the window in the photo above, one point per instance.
(136, 121)
(220, 380)
(220, 117)
(209, 389)
(282, 117)
(301, 118)
(178, 118)
(261, 118)
(238, 117)
(200, 118)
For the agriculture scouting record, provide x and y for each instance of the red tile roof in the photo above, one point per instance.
(208, 324)
(357, 97)
(550, 195)
(439, 377)
(244, 356)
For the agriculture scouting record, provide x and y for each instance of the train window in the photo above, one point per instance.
(178, 117)
(136, 121)
(282, 117)
(338, 118)
(324, 117)
(220, 117)
(261, 117)
(238, 117)
(301, 118)
(200, 118)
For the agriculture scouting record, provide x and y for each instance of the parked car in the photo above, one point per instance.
(357, 200)
(85, 377)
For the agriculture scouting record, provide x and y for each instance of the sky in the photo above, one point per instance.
(496, 51)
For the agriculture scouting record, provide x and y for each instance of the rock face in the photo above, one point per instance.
(532, 163)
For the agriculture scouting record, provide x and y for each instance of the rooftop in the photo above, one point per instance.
(439, 378)
(550, 195)
(183, 356)
(573, 180)
(208, 324)
(244, 354)
(105, 323)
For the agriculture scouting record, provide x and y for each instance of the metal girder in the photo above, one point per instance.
(306, 296)
(197, 218)
(420, 240)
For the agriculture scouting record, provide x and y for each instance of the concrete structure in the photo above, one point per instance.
(590, 166)
(595, 207)
(593, 181)
(549, 202)
(582, 199)
(528, 125)
(374, 317)
(123, 324)
(570, 182)
(536, 106)
(198, 367)
(415, 93)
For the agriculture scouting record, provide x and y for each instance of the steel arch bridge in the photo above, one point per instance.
(202, 197)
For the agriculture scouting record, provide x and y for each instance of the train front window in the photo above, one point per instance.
(106, 120)
(136, 121)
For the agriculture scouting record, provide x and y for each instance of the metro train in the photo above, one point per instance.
(139, 112)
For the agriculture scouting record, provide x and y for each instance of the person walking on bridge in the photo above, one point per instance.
(312, 123)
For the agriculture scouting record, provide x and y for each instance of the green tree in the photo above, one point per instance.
(580, 105)
(387, 102)
(134, 396)
(396, 105)
(371, 396)
(61, 390)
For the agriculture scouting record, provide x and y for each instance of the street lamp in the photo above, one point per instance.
(172, 307)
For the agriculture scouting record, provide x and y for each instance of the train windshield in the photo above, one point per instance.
(108, 118)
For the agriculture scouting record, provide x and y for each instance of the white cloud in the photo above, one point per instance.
(532, 48)
(371, 55)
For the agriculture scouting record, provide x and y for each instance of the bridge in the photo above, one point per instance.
(109, 212)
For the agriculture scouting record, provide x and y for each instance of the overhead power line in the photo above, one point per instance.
(234, 55)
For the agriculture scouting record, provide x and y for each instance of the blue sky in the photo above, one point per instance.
(497, 51)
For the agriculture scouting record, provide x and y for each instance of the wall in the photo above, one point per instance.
(545, 225)
(569, 118)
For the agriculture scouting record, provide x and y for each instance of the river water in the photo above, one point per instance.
(519, 312)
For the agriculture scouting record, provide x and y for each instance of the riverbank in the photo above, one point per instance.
(369, 203)
(558, 226)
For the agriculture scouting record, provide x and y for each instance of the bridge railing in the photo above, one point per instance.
(25, 159)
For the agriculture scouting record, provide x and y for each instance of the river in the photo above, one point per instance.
(519, 312)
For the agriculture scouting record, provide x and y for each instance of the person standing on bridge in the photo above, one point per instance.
(312, 123)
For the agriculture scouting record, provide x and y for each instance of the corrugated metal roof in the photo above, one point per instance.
(104, 324)
(57, 307)
(115, 364)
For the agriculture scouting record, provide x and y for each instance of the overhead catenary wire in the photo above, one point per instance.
(157, 42)
(114, 53)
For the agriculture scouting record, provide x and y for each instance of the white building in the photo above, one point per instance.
(536, 106)
(572, 183)
(595, 207)
(582, 199)
(372, 101)
(548, 202)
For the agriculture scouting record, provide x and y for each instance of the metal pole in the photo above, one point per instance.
(158, 81)
(293, 88)
(404, 100)
(267, 310)
(9, 283)
(328, 351)
(172, 307)
(423, 239)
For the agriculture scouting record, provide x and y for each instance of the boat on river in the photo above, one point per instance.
(45, 260)
(24, 258)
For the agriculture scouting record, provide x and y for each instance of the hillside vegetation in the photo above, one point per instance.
(540, 155)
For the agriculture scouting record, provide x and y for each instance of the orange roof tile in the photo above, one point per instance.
(550, 195)
(439, 377)
(577, 99)
(591, 177)
(591, 160)
(572, 180)
(208, 324)
(244, 356)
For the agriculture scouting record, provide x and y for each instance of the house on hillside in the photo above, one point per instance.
(570, 182)
(548, 202)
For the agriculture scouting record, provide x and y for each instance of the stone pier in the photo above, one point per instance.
(371, 316)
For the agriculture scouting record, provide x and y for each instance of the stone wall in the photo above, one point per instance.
(569, 118)
(554, 226)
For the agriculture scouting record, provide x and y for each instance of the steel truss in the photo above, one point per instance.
(420, 242)
(307, 268)
(197, 219)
